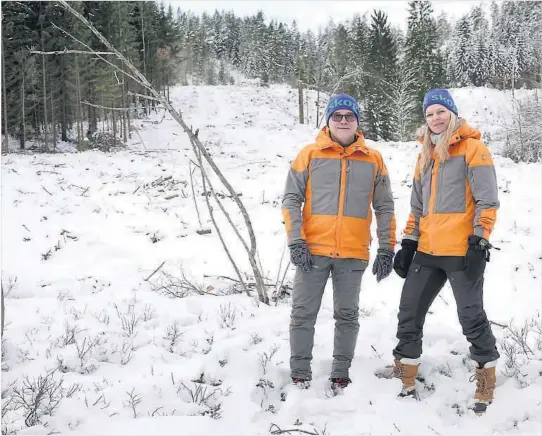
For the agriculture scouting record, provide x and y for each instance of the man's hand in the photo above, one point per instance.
(404, 257)
(383, 264)
(300, 255)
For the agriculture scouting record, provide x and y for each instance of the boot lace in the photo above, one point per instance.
(482, 381)
(399, 371)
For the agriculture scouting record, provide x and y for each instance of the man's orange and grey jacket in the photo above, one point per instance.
(454, 199)
(328, 196)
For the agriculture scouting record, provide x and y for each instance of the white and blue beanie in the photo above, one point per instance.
(439, 96)
(342, 101)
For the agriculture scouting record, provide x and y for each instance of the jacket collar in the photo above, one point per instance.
(464, 131)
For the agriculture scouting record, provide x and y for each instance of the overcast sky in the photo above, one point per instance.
(312, 14)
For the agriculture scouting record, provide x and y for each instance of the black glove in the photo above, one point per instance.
(404, 257)
(300, 255)
(477, 256)
(383, 264)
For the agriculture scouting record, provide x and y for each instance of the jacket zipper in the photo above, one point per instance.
(438, 189)
(342, 199)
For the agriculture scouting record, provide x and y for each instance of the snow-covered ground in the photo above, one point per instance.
(82, 233)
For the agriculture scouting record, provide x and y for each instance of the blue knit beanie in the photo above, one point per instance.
(439, 96)
(342, 101)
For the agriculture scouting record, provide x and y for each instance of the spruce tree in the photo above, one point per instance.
(382, 64)
(422, 53)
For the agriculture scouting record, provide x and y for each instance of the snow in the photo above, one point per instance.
(106, 223)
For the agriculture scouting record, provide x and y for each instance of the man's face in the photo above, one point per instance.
(437, 117)
(342, 126)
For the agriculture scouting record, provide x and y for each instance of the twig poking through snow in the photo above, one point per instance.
(155, 271)
(133, 400)
(498, 325)
(376, 352)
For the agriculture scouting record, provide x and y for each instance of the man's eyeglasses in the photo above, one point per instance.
(339, 117)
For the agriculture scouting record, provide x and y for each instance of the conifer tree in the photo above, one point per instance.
(382, 64)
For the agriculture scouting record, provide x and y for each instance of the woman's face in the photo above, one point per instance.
(437, 118)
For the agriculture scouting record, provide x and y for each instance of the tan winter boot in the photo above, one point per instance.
(407, 370)
(486, 379)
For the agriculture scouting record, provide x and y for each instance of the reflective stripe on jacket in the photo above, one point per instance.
(336, 187)
(454, 199)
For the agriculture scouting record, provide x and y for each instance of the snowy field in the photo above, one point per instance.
(82, 233)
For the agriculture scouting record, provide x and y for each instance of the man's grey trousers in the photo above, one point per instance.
(306, 299)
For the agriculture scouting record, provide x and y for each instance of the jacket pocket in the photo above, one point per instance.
(359, 187)
(452, 185)
(325, 179)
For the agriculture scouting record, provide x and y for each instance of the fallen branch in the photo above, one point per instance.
(155, 271)
(222, 277)
(278, 430)
(433, 430)
(174, 287)
(46, 191)
(169, 197)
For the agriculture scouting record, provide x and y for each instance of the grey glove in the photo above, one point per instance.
(300, 255)
(383, 264)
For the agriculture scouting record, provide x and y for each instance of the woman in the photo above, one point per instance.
(454, 204)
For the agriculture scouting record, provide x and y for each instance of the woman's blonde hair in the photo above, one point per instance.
(442, 148)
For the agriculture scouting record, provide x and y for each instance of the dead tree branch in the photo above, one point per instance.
(191, 171)
(147, 97)
(121, 109)
(66, 51)
(87, 46)
(204, 178)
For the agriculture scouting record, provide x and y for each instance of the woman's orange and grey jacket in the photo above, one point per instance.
(455, 198)
(336, 186)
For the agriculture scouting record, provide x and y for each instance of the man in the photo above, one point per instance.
(327, 212)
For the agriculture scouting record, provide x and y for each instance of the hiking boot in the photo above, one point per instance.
(339, 382)
(301, 383)
(486, 379)
(406, 370)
